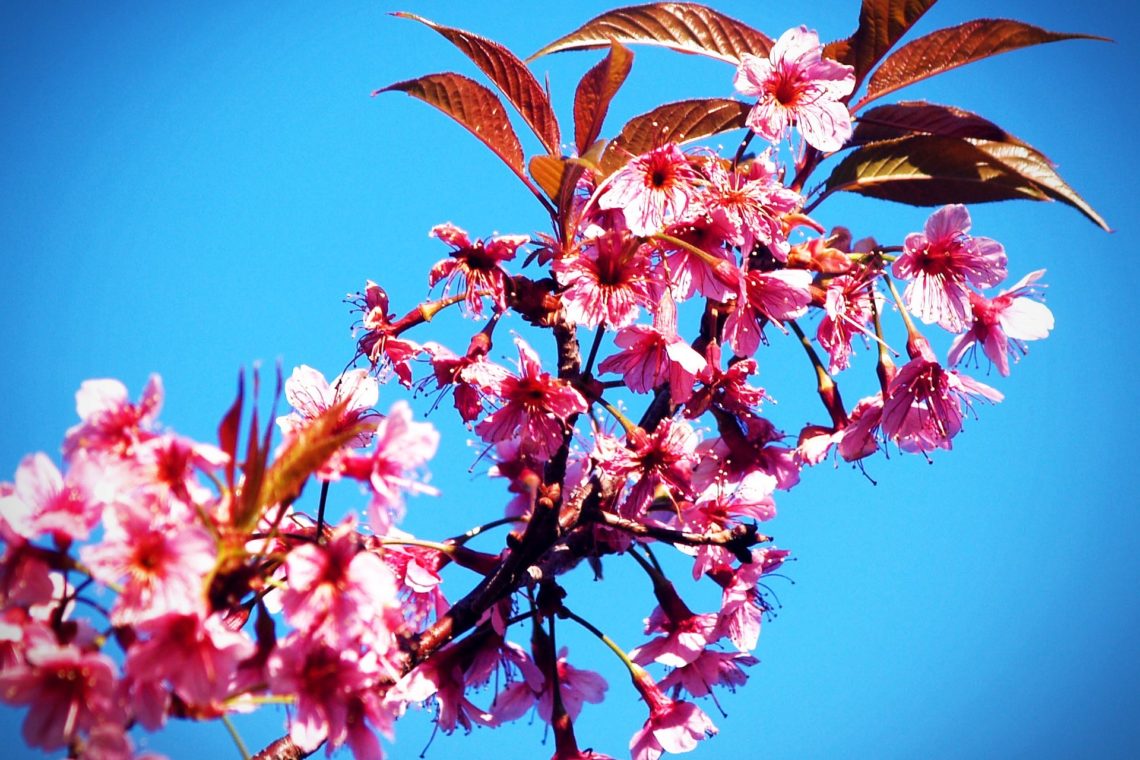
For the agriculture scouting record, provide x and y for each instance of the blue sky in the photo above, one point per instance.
(190, 190)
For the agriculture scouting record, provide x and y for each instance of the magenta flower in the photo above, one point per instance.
(796, 85)
(940, 262)
(764, 297)
(847, 313)
(67, 691)
(685, 637)
(1003, 324)
(536, 407)
(713, 274)
(749, 202)
(607, 282)
(477, 266)
(379, 342)
(656, 355)
(653, 189)
(711, 668)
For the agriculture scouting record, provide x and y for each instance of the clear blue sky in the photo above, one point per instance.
(189, 190)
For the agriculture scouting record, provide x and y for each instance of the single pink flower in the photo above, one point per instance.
(1003, 324)
(713, 273)
(858, 439)
(608, 281)
(403, 448)
(44, 502)
(655, 355)
(685, 636)
(652, 190)
(161, 563)
(847, 312)
(477, 266)
(311, 395)
(673, 727)
(749, 201)
(764, 297)
(198, 657)
(445, 677)
(941, 261)
(380, 342)
(924, 405)
(536, 407)
(662, 459)
(110, 422)
(728, 389)
(796, 85)
(68, 692)
(711, 668)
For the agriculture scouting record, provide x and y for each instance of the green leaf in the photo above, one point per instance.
(685, 27)
(920, 117)
(881, 24)
(510, 75)
(474, 106)
(595, 91)
(956, 46)
(932, 170)
(678, 122)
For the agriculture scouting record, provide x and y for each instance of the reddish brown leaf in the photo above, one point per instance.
(920, 117)
(229, 428)
(687, 27)
(510, 75)
(547, 172)
(881, 24)
(594, 93)
(956, 46)
(472, 105)
(677, 122)
(930, 170)
(1033, 165)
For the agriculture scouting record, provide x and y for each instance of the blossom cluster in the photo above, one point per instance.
(157, 577)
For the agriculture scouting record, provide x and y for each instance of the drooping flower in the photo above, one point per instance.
(654, 355)
(795, 85)
(402, 448)
(477, 266)
(536, 407)
(608, 281)
(1003, 324)
(710, 668)
(764, 297)
(712, 271)
(673, 726)
(653, 189)
(924, 405)
(379, 342)
(941, 261)
(847, 312)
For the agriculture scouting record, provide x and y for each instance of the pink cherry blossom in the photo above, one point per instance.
(445, 678)
(67, 691)
(728, 389)
(337, 592)
(403, 448)
(536, 407)
(161, 563)
(764, 297)
(711, 668)
(477, 266)
(655, 355)
(685, 636)
(608, 281)
(796, 85)
(110, 422)
(652, 190)
(673, 726)
(847, 313)
(380, 342)
(941, 261)
(311, 395)
(924, 405)
(661, 459)
(44, 502)
(1003, 324)
(749, 201)
(197, 657)
(712, 273)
